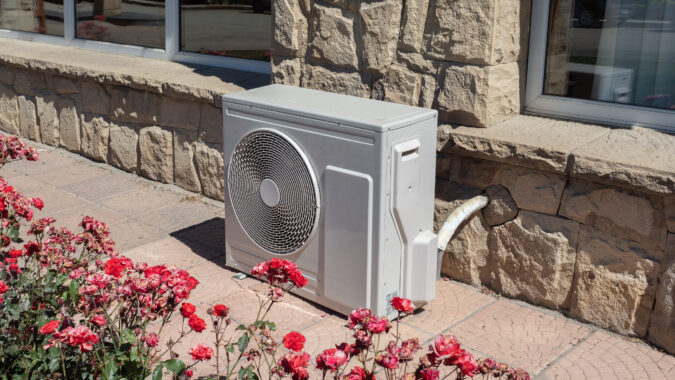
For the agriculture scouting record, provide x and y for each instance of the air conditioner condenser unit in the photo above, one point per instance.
(340, 185)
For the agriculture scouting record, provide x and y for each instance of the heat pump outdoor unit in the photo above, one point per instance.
(342, 186)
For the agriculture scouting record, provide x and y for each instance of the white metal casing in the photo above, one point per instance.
(374, 163)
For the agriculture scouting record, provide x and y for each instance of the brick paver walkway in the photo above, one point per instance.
(162, 224)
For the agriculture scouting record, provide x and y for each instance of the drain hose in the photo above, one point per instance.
(457, 217)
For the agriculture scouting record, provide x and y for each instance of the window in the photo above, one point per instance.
(604, 60)
(39, 16)
(227, 33)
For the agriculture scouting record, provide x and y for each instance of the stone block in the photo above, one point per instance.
(501, 207)
(412, 29)
(48, 120)
(615, 282)
(94, 99)
(662, 324)
(63, 85)
(380, 26)
(95, 135)
(123, 147)
(532, 257)
(613, 159)
(69, 124)
(348, 83)
(9, 110)
(332, 36)
(443, 166)
(483, 32)
(290, 28)
(28, 119)
(401, 86)
(211, 124)
(6, 75)
(156, 154)
(669, 203)
(179, 113)
(286, 70)
(480, 96)
(620, 212)
(447, 193)
(135, 106)
(184, 172)
(428, 91)
(209, 162)
(417, 62)
(531, 189)
(466, 257)
(29, 82)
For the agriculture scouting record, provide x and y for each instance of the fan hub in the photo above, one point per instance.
(269, 192)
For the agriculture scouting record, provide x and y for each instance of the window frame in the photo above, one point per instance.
(537, 102)
(171, 52)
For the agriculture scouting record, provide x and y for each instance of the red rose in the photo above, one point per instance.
(359, 373)
(295, 363)
(31, 248)
(294, 341)
(49, 327)
(189, 373)
(387, 360)
(445, 345)
(220, 311)
(429, 374)
(98, 320)
(196, 323)
(201, 352)
(37, 202)
(331, 359)
(377, 325)
(115, 267)
(151, 340)
(403, 305)
(298, 279)
(15, 253)
(187, 309)
(3, 287)
(356, 317)
(81, 336)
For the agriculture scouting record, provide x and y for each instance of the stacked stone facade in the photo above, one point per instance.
(161, 137)
(465, 58)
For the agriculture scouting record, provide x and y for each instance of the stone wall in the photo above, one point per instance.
(602, 253)
(465, 58)
(161, 137)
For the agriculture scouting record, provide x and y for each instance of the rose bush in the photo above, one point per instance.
(73, 307)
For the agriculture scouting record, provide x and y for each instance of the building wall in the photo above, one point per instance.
(465, 58)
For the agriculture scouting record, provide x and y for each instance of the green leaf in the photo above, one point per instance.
(110, 370)
(241, 327)
(242, 343)
(54, 365)
(157, 372)
(174, 365)
(128, 336)
(229, 348)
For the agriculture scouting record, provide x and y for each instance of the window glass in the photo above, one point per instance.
(231, 28)
(39, 16)
(136, 22)
(620, 51)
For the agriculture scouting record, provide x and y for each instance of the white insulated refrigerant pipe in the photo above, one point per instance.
(456, 217)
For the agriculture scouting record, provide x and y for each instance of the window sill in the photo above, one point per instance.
(637, 158)
(180, 80)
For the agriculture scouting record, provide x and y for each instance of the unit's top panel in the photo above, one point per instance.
(335, 108)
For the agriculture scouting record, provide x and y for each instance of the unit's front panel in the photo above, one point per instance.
(345, 162)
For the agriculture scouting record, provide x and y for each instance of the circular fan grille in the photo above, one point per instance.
(264, 156)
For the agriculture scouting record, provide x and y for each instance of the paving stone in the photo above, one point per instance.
(55, 199)
(170, 251)
(607, 356)
(101, 187)
(519, 335)
(72, 217)
(130, 233)
(216, 281)
(177, 216)
(140, 200)
(210, 233)
(453, 303)
(63, 175)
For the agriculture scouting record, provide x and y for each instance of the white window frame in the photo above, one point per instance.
(171, 42)
(581, 109)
